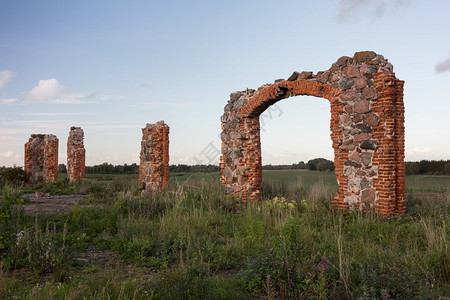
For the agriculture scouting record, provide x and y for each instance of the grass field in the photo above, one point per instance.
(417, 183)
(193, 242)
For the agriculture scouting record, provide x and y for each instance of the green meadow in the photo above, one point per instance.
(193, 242)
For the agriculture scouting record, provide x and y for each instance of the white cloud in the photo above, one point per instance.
(8, 101)
(51, 91)
(5, 77)
(7, 154)
(46, 90)
(443, 66)
(110, 158)
(350, 9)
(9, 158)
(14, 131)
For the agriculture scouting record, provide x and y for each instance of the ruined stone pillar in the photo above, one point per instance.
(41, 158)
(154, 166)
(76, 154)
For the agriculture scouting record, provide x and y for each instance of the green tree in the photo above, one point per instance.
(411, 168)
(62, 168)
(13, 175)
(447, 168)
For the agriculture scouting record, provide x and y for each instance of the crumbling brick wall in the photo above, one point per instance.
(41, 158)
(154, 166)
(367, 132)
(76, 154)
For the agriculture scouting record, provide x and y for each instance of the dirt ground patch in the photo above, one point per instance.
(50, 205)
(427, 196)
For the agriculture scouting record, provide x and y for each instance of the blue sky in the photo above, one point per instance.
(113, 66)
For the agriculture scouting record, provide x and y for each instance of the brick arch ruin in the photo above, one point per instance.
(367, 133)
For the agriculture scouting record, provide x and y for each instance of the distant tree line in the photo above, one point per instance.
(194, 168)
(106, 168)
(319, 164)
(423, 167)
(428, 167)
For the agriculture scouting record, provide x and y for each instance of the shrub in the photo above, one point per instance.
(447, 168)
(13, 175)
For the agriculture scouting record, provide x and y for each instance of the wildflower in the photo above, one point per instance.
(323, 265)
(19, 238)
(385, 295)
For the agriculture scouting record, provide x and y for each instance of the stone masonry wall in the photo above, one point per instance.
(367, 132)
(154, 166)
(76, 154)
(41, 158)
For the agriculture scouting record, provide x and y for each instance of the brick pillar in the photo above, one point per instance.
(251, 146)
(390, 183)
(340, 155)
(399, 143)
(154, 166)
(41, 158)
(76, 154)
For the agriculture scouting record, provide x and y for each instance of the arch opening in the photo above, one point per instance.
(293, 132)
(367, 132)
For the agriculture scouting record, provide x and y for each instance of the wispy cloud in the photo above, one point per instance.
(35, 122)
(8, 101)
(51, 91)
(443, 66)
(171, 104)
(56, 114)
(115, 126)
(14, 131)
(9, 158)
(5, 77)
(349, 10)
(7, 154)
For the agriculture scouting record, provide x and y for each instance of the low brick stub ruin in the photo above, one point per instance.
(76, 154)
(367, 132)
(154, 166)
(41, 158)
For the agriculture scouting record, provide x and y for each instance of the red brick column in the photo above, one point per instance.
(390, 132)
(251, 145)
(76, 154)
(400, 148)
(154, 166)
(41, 158)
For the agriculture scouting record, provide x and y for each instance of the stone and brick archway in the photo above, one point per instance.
(367, 132)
